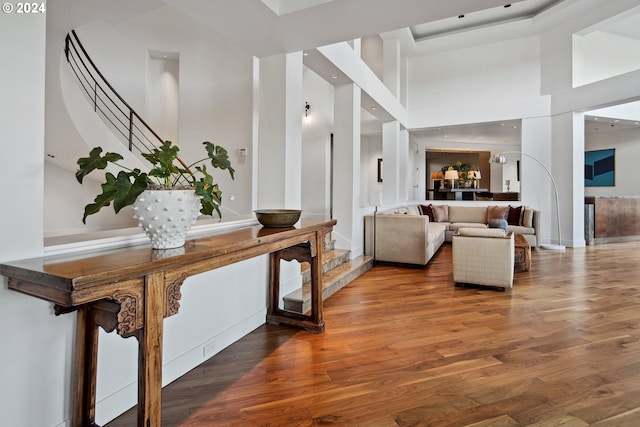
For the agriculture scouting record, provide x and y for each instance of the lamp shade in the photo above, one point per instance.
(436, 175)
(498, 158)
(451, 175)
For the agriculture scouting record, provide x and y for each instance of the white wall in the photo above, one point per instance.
(600, 55)
(64, 209)
(627, 146)
(486, 83)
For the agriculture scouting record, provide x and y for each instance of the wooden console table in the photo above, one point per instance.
(132, 290)
(459, 193)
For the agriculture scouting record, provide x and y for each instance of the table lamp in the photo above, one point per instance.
(451, 175)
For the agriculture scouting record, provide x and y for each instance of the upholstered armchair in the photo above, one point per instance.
(483, 257)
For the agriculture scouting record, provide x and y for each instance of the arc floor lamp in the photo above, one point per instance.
(500, 158)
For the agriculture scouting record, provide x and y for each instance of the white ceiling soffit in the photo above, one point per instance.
(618, 117)
(254, 26)
(506, 132)
(282, 7)
(625, 24)
(627, 27)
(508, 12)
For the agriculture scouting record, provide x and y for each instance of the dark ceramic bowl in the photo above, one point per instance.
(278, 217)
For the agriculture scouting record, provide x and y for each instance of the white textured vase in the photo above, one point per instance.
(166, 215)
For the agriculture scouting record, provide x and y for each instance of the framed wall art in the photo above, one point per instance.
(600, 168)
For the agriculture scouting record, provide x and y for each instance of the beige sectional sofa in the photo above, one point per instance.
(407, 234)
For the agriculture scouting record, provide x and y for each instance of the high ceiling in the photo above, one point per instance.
(507, 12)
(270, 27)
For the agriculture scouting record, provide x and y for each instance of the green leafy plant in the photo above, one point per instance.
(168, 172)
(463, 170)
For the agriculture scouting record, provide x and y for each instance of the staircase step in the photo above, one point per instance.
(329, 245)
(330, 260)
(299, 301)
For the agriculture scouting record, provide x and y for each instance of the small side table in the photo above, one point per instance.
(522, 252)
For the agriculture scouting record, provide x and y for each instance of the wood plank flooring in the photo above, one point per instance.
(406, 347)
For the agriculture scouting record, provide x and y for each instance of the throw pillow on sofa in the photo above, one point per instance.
(440, 213)
(498, 223)
(428, 211)
(526, 219)
(514, 216)
(497, 212)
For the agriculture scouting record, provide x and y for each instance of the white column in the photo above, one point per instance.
(36, 384)
(405, 180)
(391, 63)
(418, 162)
(568, 168)
(348, 232)
(280, 132)
(22, 38)
(391, 162)
(536, 189)
(279, 145)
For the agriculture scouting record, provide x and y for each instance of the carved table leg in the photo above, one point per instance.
(84, 412)
(310, 252)
(274, 284)
(316, 282)
(150, 353)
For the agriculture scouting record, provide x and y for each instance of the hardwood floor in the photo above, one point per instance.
(406, 347)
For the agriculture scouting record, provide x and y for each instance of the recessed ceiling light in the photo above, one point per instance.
(595, 118)
(636, 123)
(616, 121)
(374, 108)
(334, 76)
(305, 53)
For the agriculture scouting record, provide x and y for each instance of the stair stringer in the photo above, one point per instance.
(336, 275)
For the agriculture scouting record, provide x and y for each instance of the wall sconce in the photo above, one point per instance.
(306, 109)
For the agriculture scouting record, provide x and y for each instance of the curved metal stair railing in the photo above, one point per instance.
(124, 121)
